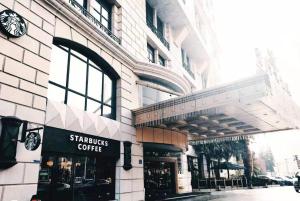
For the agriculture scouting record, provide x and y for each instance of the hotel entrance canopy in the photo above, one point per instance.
(254, 105)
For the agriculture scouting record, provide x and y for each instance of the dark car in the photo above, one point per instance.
(297, 183)
(264, 180)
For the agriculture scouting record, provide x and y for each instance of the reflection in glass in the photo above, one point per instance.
(93, 107)
(106, 111)
(58, 67)
(96, 14)
(79, 55)
(56, 93)
(76, 100)
(76, 178)
(104, 23)
(104, 13)
(77, 76)
(107, 90)
(95, 84)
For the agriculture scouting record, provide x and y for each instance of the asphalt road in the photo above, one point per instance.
(261, 194)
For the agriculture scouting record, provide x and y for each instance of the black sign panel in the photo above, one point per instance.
(127, 155)
(59, 140)
(12, 24)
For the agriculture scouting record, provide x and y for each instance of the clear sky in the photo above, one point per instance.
(243, 25)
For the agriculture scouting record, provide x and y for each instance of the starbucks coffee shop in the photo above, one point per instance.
(76, 165)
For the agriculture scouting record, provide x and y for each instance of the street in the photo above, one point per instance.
(261, 194)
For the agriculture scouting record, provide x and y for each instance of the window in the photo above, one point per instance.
(156, 28)
(151, 96)
(102, 12)
(186, 63)
(79, 82)
(160, 27)
(150, 50)
(83, 3)
(149, 14)
(185, 60)
(161, 61)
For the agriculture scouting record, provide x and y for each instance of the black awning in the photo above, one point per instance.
(228, 165)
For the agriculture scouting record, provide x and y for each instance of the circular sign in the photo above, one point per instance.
(12, 24)
(32, 141)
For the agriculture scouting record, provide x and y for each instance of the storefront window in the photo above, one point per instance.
(76, 178)
(77, 81)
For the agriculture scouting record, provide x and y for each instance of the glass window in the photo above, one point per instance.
(65, 177)
(76, 100)
(85, 85)
(93, 107)
(77, 75)
(104, 13)
(149, 13)
(95, 83)
(161, 61)
(106, 111)
(101, 11)
(58, 67)
(151, 96)
(107, 90)
(56, 93)
(150, 50)
(160, 27)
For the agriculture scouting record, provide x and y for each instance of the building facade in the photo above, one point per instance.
(73, 79)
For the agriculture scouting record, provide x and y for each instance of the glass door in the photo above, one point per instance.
(159, 179)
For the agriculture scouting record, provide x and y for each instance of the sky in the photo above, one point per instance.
(242, 26)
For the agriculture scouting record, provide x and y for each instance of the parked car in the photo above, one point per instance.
(288, 181)
(297, 183)
(264, 180)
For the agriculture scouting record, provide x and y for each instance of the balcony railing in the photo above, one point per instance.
(188, 69)
(158, 34)
(91, 18)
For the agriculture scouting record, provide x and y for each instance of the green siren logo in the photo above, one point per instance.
(12, 24)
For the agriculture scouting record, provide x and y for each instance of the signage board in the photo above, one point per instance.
(12, 24)
(63, 141)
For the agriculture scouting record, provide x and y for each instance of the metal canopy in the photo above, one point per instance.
(253, 105)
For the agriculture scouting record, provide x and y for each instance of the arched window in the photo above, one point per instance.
(78, 80)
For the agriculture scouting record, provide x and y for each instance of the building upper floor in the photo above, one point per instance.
(170, 34)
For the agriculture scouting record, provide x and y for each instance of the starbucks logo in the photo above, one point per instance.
(32, 141)
(12, 24)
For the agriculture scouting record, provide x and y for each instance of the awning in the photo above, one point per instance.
(228, 165)
(254, 105)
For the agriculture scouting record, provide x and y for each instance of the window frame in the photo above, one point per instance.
(161, 60)
(108, 8)
(150, 48)
(69, 49)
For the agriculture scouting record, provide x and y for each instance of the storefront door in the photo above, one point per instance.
(159, 179)
(76, 178)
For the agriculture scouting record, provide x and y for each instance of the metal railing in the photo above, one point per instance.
(158, 34)
(188, 69)
(221, 183)
(91, 18)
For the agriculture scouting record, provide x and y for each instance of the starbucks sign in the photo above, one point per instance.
(12, 24)
(63, 141)
(32, 141)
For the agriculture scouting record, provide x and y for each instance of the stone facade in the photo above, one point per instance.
(24, 72)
